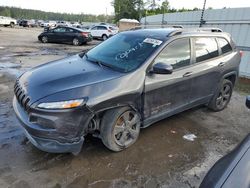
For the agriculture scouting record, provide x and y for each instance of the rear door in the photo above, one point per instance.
(168, 93)
(59, 34)
(102, 30)
(206, 69)
(94, 31)
(70, 34)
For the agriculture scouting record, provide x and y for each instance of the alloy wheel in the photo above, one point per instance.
(75, 42)
(44, 39)
(126, 129)
(224, 96)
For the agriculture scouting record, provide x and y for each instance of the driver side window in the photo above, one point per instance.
(177, 53)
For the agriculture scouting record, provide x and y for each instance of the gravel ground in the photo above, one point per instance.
(160, 158)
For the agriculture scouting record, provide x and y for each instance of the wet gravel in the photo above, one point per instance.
(160, 158)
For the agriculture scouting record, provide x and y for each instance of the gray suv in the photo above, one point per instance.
(128, 82)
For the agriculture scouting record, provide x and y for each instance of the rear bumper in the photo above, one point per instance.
(59, 137)
(84, 39)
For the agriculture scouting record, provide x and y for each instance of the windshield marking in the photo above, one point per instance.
(125, 54)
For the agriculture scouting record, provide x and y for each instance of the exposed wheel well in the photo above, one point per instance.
(232, 78)
(97, 119)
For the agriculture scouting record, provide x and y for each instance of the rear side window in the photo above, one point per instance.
(94, 28)
(177, 54)
(205, 48)
(102, 28)
(60, 30)
(224, 45)
(70, 30)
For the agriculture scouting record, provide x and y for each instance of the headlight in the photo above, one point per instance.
(62, 104)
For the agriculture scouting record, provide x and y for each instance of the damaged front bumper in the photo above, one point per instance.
(54, 131)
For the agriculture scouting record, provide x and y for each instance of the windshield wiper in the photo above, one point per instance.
(94, 61)
(83, 53)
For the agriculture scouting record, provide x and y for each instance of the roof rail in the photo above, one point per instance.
(204, 29)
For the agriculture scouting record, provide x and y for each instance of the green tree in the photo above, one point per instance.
(127, 9)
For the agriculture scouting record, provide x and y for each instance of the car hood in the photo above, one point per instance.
(61, 75)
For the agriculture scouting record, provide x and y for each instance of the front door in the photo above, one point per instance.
(167, 93)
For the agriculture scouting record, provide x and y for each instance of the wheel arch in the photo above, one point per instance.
(231, 76)
(98, 115)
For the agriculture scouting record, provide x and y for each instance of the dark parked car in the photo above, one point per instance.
(71, 35)
(28, 23)
(128, 82)
(233, 170)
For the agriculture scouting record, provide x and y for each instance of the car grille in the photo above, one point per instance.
(22, 98)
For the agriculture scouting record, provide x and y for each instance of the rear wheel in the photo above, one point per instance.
(104, 37)
(11, 24)
(120, 128)
(44, 39)
(222, 97)
(76, 42)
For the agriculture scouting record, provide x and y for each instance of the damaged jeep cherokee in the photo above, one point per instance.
(128, 82)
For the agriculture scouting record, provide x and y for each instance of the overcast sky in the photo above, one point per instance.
(100, 6)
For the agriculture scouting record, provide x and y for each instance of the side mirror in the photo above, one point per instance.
(162, 68)
(248, 102)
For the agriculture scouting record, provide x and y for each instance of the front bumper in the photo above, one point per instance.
(63, 132)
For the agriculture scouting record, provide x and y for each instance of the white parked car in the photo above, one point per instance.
(49, 24)
(7, 21)
(103, 31)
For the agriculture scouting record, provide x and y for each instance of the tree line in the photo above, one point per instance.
(136, 9)
(20, 13)
(133, 9)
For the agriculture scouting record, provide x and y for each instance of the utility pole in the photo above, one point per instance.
(163, 16)
(202, 14)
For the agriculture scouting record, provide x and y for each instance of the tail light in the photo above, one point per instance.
(85, 34)
(109, 31)
(241, 53)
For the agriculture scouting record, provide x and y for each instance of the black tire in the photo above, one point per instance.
(44, 39)
(222, 97)
(104, 37)
(76, 42)
(118, 133)
(11, 24)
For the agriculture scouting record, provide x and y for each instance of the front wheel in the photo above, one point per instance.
(120, 128)
(44, 39)
(222, 97)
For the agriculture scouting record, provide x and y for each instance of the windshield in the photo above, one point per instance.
(125, 51)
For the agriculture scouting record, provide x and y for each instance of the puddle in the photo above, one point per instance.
(12, 69)
(35, 53)
(9, 65)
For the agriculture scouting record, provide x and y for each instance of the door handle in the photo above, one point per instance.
(187, 74)
(221, 64)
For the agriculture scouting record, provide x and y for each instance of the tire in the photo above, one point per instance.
(44, 39)
(76, 42)
(120, 128)
(104, 37)
(11, 24)
(222, 97)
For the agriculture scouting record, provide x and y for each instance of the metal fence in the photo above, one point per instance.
(235, 21)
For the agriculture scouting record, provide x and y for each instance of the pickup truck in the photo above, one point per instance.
(7, 21)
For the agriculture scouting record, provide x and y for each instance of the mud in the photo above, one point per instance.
(160, 158)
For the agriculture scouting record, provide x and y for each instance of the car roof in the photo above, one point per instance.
(165, 33)
(160, 33)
